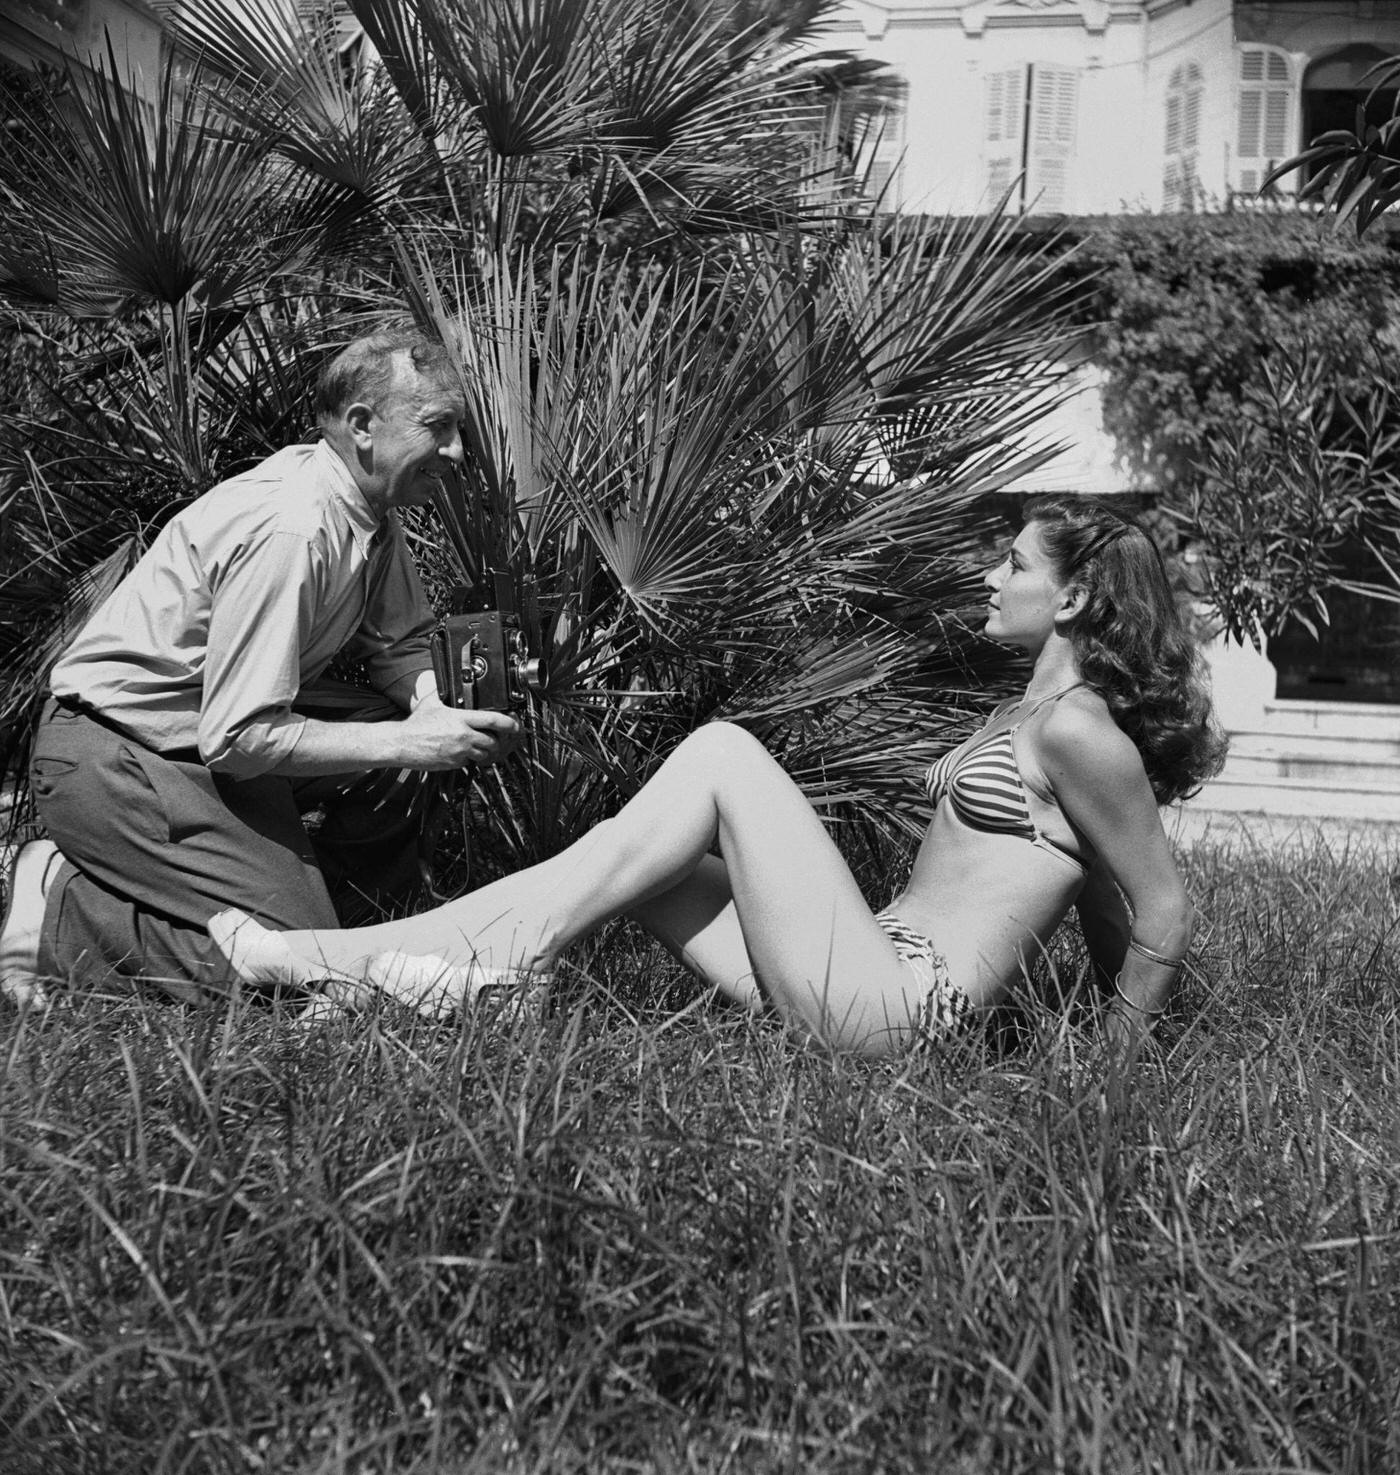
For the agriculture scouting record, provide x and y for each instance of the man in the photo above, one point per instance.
(184, 739)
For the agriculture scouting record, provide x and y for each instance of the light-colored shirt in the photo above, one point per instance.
(244, 597)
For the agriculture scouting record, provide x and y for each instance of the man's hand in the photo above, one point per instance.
(436, 737)
(432, 737)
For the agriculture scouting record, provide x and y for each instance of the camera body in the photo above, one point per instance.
(488, 657)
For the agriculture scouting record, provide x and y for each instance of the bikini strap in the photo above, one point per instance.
(1053, 697)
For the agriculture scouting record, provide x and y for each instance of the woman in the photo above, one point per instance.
(1053, 804)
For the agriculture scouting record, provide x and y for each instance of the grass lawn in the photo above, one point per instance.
(641, 1236)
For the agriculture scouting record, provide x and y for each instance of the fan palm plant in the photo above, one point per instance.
(731, 419)
(159, 285)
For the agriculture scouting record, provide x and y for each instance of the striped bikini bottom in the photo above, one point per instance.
(945, 1009)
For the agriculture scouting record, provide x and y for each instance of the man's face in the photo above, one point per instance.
(416, 429)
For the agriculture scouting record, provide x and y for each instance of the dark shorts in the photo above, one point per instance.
(156, 843)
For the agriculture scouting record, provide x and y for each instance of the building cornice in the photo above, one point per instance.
(973, 17)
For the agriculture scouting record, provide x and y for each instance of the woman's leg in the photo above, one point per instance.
(821, 956)
(697, 922)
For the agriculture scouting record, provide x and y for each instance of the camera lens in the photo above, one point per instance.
(529, 674)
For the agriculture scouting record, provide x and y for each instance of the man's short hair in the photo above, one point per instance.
(363, 371)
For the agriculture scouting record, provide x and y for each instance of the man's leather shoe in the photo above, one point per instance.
(30, 875)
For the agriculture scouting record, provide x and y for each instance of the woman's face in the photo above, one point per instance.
(1026, 593)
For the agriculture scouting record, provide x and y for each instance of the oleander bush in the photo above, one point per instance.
(1190, 310)
(1250, 366)
(644, 1232)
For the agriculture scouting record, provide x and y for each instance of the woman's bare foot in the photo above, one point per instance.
(437, 988)
(257, 955)
(431, 985)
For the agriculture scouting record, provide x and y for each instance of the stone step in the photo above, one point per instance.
(1375, 721)
(1300, 796)
(1323, 745)
(1315, 747)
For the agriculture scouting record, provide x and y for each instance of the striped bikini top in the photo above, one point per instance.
(982, 781)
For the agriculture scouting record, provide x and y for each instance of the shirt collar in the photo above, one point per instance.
(366, 526)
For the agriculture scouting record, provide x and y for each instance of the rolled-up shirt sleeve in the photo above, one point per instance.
(261, 617)
(392, 639)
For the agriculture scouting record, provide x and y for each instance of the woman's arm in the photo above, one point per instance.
(1099, 782)
(1105, 922)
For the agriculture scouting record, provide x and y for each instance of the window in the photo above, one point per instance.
(67, 15)
(1265, 113)
(1338, 85)
(880, 146)
(1179, 181)
(1029, 133)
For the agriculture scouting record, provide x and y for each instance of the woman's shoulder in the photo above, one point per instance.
(1078, 732)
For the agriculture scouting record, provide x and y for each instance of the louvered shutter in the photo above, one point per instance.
(1183, 137)
(1054, 126)
(1191, 116)
(882, 149)
(1265, 114)
(1005, 120)
(1174, 109)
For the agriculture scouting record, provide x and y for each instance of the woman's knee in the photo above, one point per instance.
(725, 744)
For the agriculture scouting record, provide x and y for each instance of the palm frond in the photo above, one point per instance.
(144, 204)
(62, 559)
(410, 64)
(286, 82)
(523, 69)
(735, 424)
(255, 383)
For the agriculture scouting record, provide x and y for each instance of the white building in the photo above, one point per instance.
(1089, 107)
(56, 32)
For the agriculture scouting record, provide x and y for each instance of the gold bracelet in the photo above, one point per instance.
(1152, 956)
(1133, 1003)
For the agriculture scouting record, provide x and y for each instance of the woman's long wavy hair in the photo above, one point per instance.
(1132, 646)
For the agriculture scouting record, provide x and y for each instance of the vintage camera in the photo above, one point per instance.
(486, 654)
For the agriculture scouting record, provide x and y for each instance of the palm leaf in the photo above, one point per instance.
(143, 204)
(523, 69)
(286, 82)
(742, 459)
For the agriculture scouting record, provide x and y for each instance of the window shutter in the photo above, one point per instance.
(1191, 118)
(882, 148)
(1054, 126)
(1265, 114)
(1275, 124)
(1005, 119)
(1182, 137)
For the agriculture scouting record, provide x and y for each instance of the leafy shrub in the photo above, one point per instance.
(1296, 501)
(1191, 308)
(1251, 363)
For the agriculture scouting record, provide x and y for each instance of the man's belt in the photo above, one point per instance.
(80, 708)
